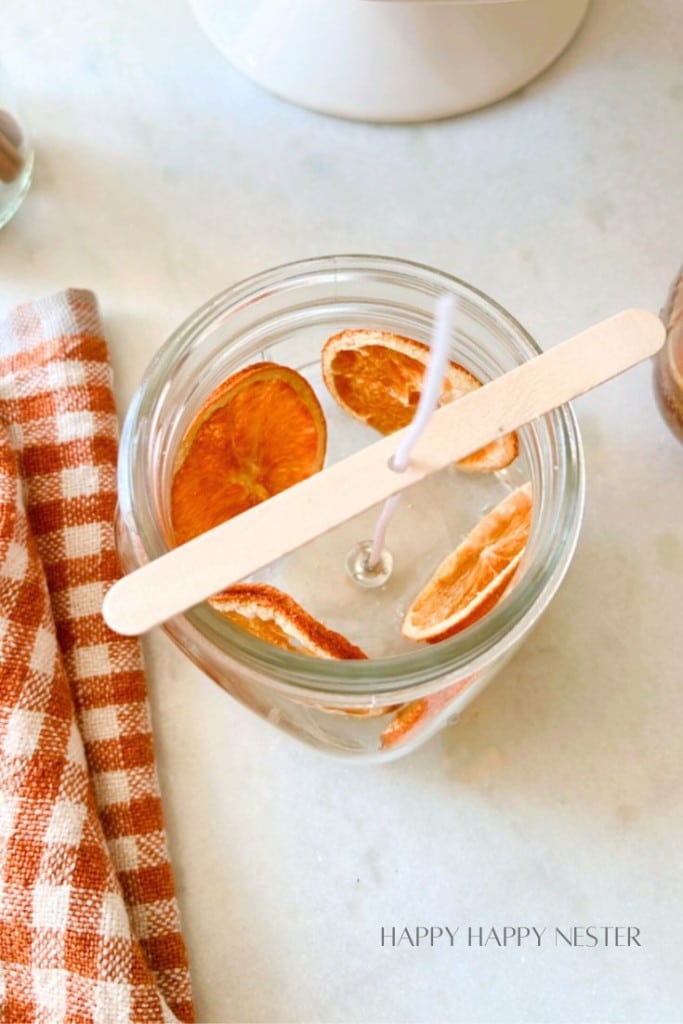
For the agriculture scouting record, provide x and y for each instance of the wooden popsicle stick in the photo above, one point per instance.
(192, 572)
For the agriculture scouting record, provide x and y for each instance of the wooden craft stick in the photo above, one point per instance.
(189, 574)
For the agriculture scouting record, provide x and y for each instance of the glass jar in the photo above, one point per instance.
(16, 154)
(381, 708)
(669, 362)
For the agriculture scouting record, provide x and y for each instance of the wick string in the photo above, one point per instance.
(429, 399)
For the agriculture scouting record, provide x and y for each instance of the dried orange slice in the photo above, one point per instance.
(274, 616)
(377, 377)
(408, 717)
(471, 580)
(259, 432)
(403, 722)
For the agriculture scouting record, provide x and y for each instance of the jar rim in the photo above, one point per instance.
(557, 526)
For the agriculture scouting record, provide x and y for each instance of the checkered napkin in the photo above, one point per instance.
(89, 927)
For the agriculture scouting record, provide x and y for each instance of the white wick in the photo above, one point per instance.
(429, 400)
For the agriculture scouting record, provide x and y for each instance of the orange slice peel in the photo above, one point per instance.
(273, 616)
(261, 431)
(417, 712)
(474, 577)
(376, 377)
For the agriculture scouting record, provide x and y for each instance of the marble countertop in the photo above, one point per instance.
(161, 177)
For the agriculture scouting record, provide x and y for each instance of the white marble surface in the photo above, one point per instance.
(163, 176)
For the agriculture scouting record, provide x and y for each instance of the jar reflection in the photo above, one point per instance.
(16, 154)
(669, 362)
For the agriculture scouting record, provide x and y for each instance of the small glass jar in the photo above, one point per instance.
(16, 154)
(669, 362)
(366, 710)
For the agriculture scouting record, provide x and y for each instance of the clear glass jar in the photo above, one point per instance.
(669, 362)
(16, 154)
(366, 710)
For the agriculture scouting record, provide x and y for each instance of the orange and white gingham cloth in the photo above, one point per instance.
(89, 927)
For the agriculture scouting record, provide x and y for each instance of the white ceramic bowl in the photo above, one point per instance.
(391, 60)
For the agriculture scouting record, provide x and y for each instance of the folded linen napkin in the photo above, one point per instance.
(89, 927)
